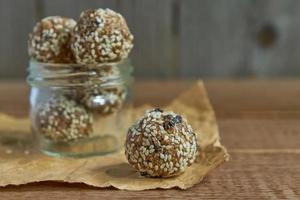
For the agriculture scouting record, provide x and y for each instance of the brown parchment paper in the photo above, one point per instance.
(21, 164)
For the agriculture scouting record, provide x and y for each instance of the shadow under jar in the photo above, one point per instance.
(80, 110)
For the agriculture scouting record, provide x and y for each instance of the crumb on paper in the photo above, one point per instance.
(26, 152)
(8, 151)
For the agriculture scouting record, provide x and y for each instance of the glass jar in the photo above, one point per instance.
(80, 110)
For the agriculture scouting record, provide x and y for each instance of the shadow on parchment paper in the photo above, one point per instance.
(120, 170)
(125, 171)
(16, 143)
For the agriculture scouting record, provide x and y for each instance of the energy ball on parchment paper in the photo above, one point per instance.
(101, 35)
(50, 40)
(161, 144)
(60, 119)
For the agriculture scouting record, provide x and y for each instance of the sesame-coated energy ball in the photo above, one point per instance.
(103, 100)
(105, 97)
(161, 144)
(60, 119)
(100, 36)
(50, 40)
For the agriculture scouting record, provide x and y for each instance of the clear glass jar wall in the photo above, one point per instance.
(80, 110)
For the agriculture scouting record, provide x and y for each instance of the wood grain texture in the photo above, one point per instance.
(215, 41)
(73, 8)
(155, 45)
(230, 98)
(282, 58)
(153, 51)
(259, 124)
(263, 176)
(16, 21)
(173, 38)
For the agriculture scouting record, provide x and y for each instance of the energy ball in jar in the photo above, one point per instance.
(105, 97)
(161, 144)
(100, 36)
(60, 119)
(50, 40)
(104, 100)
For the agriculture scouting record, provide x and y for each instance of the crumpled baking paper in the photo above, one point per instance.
(21, 164)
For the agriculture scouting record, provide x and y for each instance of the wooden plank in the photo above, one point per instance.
(260, 135)
(255, 99)
(255, 176)
(14, 98)
(281, 58)
(220, 38)
(265, 153)
(175, 38)
(16, 20)
(154, 42)
(215, 38)
(73, 8)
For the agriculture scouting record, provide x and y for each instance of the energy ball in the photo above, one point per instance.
(101, 35)
(105, 97)
(161, 144)
(60, 119)
(104, 100)
(50, 40)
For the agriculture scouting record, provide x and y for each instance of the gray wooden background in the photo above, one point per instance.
(176, 38)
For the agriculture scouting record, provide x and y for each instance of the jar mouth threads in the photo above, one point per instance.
(78, 75)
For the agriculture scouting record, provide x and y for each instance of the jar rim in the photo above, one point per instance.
(77, 65)
(65, 75)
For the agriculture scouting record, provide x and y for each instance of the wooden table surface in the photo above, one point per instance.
(259, 123)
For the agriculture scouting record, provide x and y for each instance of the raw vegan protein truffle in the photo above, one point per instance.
(105, 97)
(101, 35)
(50, 40)
(103, 100)
(161, 144)
(60, 119)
